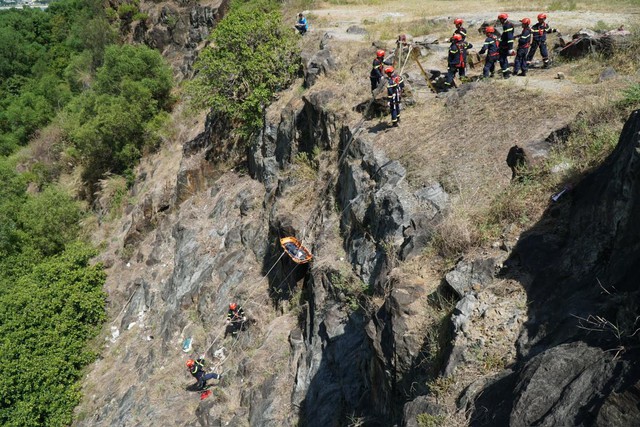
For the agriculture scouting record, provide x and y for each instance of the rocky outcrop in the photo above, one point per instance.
(178, 29)
(578, 352)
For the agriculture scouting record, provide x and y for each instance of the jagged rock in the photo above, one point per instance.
(321, 62)
(586, 42)
(607, 74)
(469, 276)
(420, 405)
(354, 29)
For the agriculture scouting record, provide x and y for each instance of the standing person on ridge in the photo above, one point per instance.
(376, 74)
(540, 30)
(196, 368)
(457, 59)
(459, 29)
(395, 84)
(524, 42)
(491, 47)
(506, 44)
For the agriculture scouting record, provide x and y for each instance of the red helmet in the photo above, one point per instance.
(380, 53)
(458, 21)
(489, 29)
(388, 70)
(457, 37)
(542, 16)
(503, 17)
(233, 306)
(190, 363)
(526, 21)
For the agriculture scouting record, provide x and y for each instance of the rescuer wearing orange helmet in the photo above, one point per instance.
(395, 84)
(540, 30)
(196, 368)
(376, 70)
(505, 47)
(524, 42)
(457, 59)
(459, 29)
(490, 46)
(236, 319)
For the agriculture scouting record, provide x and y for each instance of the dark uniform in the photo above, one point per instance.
(505, 46)
(540, 30)
(395, 84)
(460, 30)
(201, 375)
(236, 321)
(491, 47)
(524, 42)
(376, 73)
(516, 160)
(457, 61)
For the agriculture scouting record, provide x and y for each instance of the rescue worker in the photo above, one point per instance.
(457, 59)
(506, 44)
(524, 43)
(302, 25)
(459, 29)
(516, 160)
(376, 71)
(236, 319)
(395, 84)
(540, 30)
(196, 368)
(491, 47)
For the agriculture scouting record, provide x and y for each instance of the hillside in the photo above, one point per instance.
(441, 292)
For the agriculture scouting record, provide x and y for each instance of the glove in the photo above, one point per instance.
(244, 318)
(554, 30)
(228, 321)
(512, 52)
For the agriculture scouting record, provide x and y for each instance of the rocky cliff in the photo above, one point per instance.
(349, 339)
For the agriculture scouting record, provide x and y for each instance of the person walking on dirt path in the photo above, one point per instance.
(395, 84)
(236, 320)
(457, 59)
(459, 29)
(524, 43)
(302, 26)
(540, 30)
(490, 46)
(506, 44)
(197, 370)
(376, 74)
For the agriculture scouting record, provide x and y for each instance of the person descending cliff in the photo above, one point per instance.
(506, 45)
(457, 59)
(236, 320)
(395, 84)
(376, 74)
(540, 30)
(490, 46)
(524, 43)
(198, 371)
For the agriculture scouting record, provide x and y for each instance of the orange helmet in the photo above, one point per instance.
(526, 21)
(503, 16)
(388, 70)
(233, 306)
(457, 37)
(380, 53)
(458, 21)
(542, 16)
(490, 30)
(190, 363)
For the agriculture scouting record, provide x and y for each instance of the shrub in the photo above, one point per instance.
(252, 55)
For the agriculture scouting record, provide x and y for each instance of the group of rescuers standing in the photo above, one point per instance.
(497, 46)
(236, 321)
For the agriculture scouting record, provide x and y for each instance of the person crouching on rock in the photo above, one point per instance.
(302, 26)
(196, 368)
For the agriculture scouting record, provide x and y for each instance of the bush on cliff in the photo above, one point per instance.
(252, 55)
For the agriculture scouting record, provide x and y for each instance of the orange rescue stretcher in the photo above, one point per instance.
(293, 247)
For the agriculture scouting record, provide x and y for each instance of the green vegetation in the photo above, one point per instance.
(428, 420)
(349, 288)
(252, 55)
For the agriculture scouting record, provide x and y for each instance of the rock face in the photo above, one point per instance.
(578, 353)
